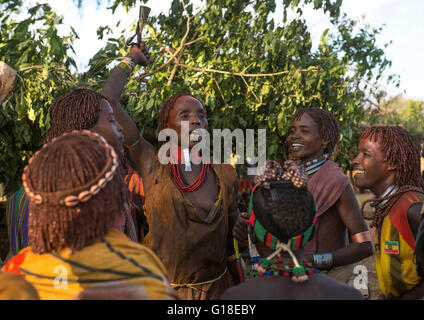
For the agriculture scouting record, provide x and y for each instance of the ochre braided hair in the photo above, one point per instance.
(66, 163)
(76, 110)
(166, 109)
(401, 152)
(328, 125)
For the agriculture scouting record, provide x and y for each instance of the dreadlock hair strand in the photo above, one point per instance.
(66, 163)
(401, 152)
(76, 110)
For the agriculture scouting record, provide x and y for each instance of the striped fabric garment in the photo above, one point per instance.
(395, 262)
(108, 263)
(17, 220)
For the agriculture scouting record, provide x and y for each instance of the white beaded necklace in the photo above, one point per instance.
(314, 165)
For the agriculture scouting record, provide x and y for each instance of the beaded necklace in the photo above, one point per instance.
(179, 179)
(283, 268)
(314, 165)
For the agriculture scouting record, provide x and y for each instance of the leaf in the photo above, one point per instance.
(242, 121)
(150, 104)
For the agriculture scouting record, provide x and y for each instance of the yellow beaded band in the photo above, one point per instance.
(127, 64)
(125, 67)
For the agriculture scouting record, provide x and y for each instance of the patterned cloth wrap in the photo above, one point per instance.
(109, 262)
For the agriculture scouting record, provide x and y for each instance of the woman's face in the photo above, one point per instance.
(187, 108)
(304, 140)
(108, 127)
(370, 171)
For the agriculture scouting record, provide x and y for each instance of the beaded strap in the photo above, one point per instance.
(71, 198)
(271, 241)
(127, 64)
(284, 268)
(133, 145)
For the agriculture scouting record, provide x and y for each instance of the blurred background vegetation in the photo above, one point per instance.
(250, 71)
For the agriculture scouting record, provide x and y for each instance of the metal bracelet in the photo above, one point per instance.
(361, 237)
(323, 261)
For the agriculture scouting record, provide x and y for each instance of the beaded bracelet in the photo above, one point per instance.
(127, 64)
(132, 146)
(323, 261)
(125, 67)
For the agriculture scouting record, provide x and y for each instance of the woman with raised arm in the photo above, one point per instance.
(190, 213)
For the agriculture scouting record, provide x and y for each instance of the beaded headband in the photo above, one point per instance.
(84, 193)
(272, 242)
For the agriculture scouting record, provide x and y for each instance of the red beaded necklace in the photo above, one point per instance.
(178, 178)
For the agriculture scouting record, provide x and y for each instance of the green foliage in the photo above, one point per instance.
(249, 70)
(41, 58)
(229, 48)
(399, 111)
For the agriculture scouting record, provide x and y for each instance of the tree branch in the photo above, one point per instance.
(219, 88)
(241, 74)
(69, 75)
(194, 41)
(178, 54)
(183, 41)
(174, 70)
(249, 89)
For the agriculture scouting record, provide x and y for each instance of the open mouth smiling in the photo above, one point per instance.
(356, 172)
(296, 147)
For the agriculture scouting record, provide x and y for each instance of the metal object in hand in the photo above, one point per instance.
(142, 18)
